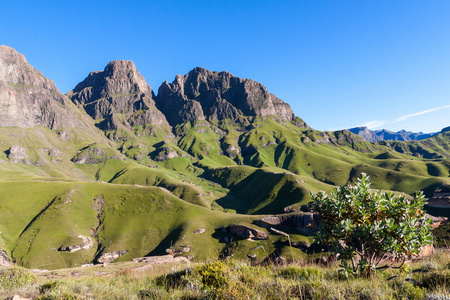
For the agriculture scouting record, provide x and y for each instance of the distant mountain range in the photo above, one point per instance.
(112, 170)
(387, 135)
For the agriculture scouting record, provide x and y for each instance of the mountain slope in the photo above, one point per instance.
(122, 169)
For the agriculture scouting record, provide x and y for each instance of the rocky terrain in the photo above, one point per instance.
(213, 165)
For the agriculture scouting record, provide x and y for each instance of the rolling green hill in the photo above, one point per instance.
(111, 167)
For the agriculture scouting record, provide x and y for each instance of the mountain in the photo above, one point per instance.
(29, 99)
(202, 94)
(118, 98)
(112, 169)
(384, 135)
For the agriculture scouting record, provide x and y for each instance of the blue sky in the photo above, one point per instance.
(339, 64)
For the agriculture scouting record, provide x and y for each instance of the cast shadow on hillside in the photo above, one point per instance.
(167, 242)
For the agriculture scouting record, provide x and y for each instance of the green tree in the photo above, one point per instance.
(366, 228)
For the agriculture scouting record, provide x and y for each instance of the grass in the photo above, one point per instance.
(239, 279)
(150, 205)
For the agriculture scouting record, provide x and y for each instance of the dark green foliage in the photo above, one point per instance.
(365, 228)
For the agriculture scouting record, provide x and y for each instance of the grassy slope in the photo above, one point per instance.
(151, 205)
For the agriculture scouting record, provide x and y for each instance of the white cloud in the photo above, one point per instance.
(406, 117)
(374, 124)
(378, 123)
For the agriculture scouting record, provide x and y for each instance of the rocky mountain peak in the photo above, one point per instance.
(118, 89)
(16, 71)
(204, 94)
(28, 98)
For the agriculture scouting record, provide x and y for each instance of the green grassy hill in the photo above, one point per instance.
(145, 193)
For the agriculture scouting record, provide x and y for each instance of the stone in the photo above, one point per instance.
(93, 155)
(280, 260)
(87, 243)
(302, 245)
(200, 231)
(4, 260)
(18, 154)
(17, 297)
(304, 223)
(247, 232)
(110, 256)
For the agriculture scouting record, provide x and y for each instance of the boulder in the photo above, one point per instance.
(305, 223)
(110, 256)
(18, 154)
(247, 232)
(200, 231)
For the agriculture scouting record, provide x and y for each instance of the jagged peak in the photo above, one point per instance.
(118, 77)
(6, 51)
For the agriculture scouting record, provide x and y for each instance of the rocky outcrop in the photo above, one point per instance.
(163, 259)
(305, 223)
(201, 230)
(90, 156)
(87, 243)
(4, 260)
(27, 98)
(110, 256)
(202, 94)
(18, 154)
(246, 232)
(118, 90)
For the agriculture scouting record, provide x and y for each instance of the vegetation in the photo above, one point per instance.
(236, 279)
(218, 174)
(365, 228)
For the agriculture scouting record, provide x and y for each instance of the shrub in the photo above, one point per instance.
(15, 277)
(365, 228)
(212, 274)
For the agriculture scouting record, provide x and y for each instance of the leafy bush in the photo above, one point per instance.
(15, 277)
(213, 274)
(365, 228)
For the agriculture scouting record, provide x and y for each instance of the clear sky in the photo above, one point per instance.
(339, 64)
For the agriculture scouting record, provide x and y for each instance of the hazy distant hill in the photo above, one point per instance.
(383, 135)
(113, 167)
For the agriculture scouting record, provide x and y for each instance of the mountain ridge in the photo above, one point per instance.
(384, 134)
(132, 179)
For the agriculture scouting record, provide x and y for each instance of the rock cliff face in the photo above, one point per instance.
(118, 89)
(27, 98)
(202, 94)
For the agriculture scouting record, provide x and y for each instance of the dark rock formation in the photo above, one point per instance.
(28, 98)
(118, 89)
(202, 94)
(246, 232)
(305, 223)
